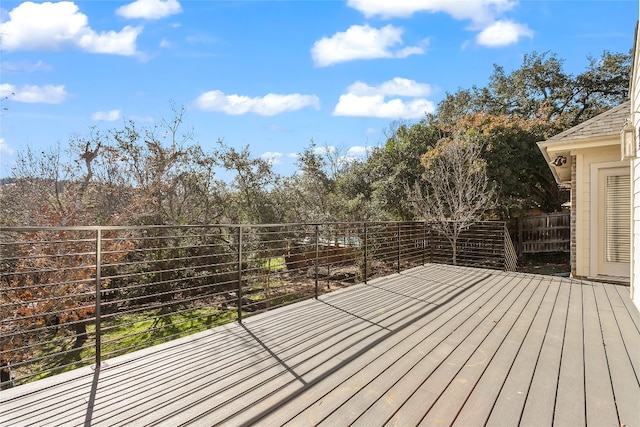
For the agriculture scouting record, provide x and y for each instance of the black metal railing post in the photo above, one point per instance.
(317, 257)
(424, 242)
(365, 253)
(98, 313)
(398, 247)
(239, 292)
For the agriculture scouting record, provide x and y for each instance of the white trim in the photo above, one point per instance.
(632, 275)
(593, 208)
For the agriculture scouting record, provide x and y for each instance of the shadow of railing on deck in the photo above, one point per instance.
(86, 294)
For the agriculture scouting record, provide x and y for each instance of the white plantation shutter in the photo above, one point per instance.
(617, 218)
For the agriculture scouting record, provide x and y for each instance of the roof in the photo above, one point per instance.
(608, 123)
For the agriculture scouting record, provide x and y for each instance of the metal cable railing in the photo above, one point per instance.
(77, 296)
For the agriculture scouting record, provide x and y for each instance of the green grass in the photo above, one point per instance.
(123, 334)
(141, 331)
(274, 264)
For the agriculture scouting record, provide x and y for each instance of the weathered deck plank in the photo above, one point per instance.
(331, 392)
(570, 401)
(512, 397)
(540, 404)
(433, 345)
(600, 401)
(467, 372)
(481, 401)
(399, 362)
(628, 329)
(618, 359)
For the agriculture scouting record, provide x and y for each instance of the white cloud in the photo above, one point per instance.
(142, 119)
(485, 16)
(361, 42)
(25, 66)
(480, 12)
(107, 116)
(7, 90)
(325, 149)
(149, 9)
(165, 43)
(398, 86)
(4, 148)
(410, 50)
(376, 106)
(503, 33)
(358, 151)
(54, 26)
(355, 153)
(32, 94)
(268, 105)
(122, 43)
(363, 100)
(272, 157)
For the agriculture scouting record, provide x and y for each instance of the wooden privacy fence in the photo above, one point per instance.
(544, 233)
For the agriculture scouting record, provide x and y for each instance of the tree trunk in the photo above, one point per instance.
(454, 246)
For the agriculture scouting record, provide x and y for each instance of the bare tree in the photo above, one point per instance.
(454, 191)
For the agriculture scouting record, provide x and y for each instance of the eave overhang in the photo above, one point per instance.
(554, 150)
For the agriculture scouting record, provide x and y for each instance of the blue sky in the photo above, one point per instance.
(272, 74)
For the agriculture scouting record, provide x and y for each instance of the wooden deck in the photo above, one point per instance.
(435, 345)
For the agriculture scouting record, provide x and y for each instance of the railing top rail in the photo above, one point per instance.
(141, 285)
(196, 226)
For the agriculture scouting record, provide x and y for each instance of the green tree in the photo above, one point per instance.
(129, 176)
(396, 165)
(541, 88)
(253, 179)
(318, 189)
(515, 165)
(456, 192)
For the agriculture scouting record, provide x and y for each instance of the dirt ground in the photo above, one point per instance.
(553, 263)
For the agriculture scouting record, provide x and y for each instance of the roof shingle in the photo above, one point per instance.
(610, 122)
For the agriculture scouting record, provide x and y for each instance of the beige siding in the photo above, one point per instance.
(635, 186)
(584, 231)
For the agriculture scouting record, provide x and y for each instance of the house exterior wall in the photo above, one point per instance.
(635, 178)
(586, 161)
(574, 212)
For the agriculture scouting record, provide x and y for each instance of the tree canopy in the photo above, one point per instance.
(159, 174)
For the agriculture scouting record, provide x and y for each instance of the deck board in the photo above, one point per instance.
(618, 358)
(398, 362)
(600, 401)
(540, 404)
(433, 345)
(628, 329)
(431, 327)
(482, 400)
(511, 400)
(465, 372)
(570, 401)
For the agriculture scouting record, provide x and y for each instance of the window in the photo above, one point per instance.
(617, 218)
